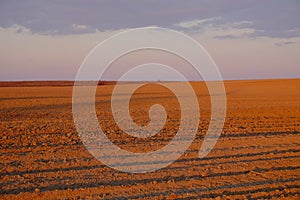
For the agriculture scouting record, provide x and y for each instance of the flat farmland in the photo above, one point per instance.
(256, 157)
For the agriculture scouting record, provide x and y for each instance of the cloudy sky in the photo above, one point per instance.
(248, 39)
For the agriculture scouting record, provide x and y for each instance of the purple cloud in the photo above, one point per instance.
(272, 18)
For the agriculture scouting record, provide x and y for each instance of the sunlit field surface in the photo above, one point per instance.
(257, 155)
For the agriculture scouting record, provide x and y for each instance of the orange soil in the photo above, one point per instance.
(257, 156)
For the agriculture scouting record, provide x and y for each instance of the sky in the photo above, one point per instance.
(247, 39)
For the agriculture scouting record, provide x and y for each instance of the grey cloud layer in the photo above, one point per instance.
(272, 18)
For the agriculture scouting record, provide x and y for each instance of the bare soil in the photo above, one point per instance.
(256, 157)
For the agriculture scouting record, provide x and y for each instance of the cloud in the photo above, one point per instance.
(218, 28)
(270, 18)
(195, 23)
(234, 33)
(17, 28)
(79, 27)
(284, 43)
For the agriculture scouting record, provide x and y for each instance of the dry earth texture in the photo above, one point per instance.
(256, 157)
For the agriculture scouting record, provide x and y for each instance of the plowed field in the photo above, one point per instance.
(256, 157)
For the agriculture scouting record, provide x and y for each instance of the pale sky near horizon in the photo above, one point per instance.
(48, 40)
